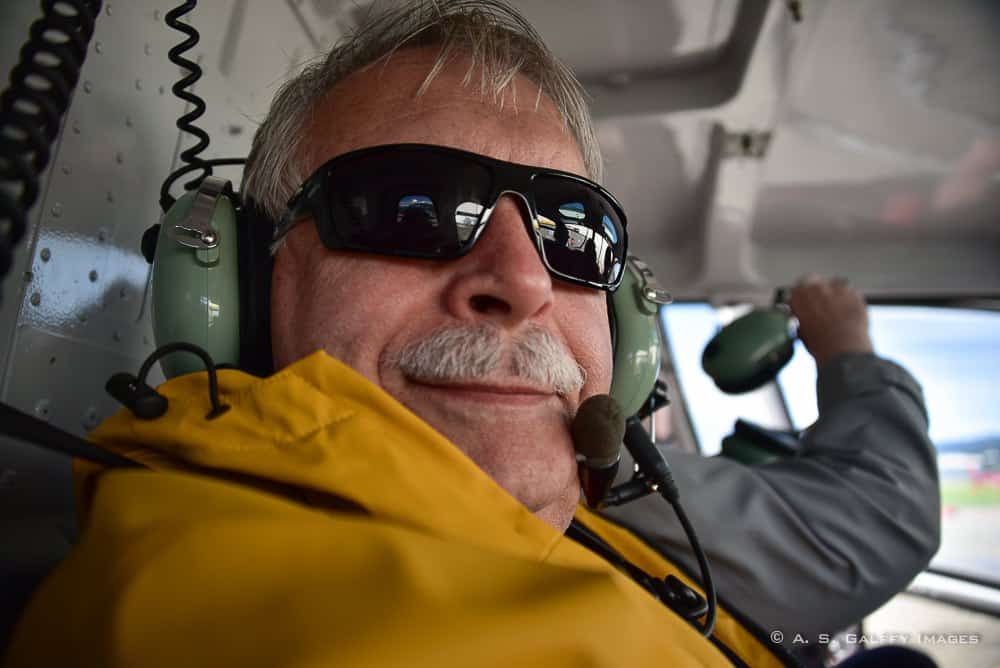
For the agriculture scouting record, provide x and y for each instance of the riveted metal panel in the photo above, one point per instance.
(80, 313)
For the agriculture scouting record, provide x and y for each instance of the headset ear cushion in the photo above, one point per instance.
(636, 341)
(255, 230)
(195, 291)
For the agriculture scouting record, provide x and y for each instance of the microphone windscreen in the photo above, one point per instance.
(598, 429)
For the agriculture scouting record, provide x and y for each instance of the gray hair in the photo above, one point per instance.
(501, 43)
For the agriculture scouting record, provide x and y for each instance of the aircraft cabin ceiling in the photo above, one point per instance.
(862, 140)
(750, 141)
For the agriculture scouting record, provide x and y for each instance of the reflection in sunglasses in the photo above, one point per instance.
(609, 229)
(574, 210)
(417, 210)
(546, 228)
(466, 218)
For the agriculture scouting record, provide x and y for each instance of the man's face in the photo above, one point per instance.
(366, 309)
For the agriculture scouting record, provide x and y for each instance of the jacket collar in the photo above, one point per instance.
(321, 428)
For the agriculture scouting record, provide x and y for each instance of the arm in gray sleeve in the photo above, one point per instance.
(812, 544)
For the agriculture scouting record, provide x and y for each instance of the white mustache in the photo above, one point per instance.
(475, 352)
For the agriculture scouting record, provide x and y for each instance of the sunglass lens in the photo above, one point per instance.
(582, 233)
(416, 203)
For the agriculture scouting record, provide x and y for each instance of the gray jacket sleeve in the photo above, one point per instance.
(812, 544)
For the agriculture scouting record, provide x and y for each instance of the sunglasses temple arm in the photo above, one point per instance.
(289, 220)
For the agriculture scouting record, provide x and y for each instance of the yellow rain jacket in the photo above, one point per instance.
(320, 523)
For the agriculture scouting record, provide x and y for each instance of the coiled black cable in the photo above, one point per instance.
(32, 108)
(186, 123)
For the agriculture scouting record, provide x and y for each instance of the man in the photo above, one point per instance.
(402, 484)
(811, 545)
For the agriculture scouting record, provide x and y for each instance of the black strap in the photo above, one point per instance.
(254, 230)
(36, 432)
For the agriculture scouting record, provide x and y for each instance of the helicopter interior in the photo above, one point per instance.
(750, 141)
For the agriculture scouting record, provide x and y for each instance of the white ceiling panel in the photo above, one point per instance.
(604, 38)
(887, 154)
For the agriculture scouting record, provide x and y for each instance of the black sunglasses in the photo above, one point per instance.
(415, 200)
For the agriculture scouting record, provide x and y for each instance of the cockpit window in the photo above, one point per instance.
(954, 354)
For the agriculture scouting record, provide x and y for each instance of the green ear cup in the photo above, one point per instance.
(637, 346)
(196, 278)
(750, 350)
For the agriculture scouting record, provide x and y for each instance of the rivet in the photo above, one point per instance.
(92, 275)
(52, 360)
(122, 293)
(76, 128)
(102, 234)
(56, 210)
(87, 87)
(67, 169)
(107, 10)
(120, 157)
(45, 254)
(98, 47)
(116, 335)
(110, 196)
(128, 121)
(42, 408)
(156, 14)
(147, 49)
(162, 90)
(138, 84)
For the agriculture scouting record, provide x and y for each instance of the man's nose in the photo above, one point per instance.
(502, 279)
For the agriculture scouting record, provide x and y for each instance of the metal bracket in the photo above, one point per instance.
(196, 231)
(648, 290)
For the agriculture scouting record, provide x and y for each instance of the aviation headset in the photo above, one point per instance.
(211, 287)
